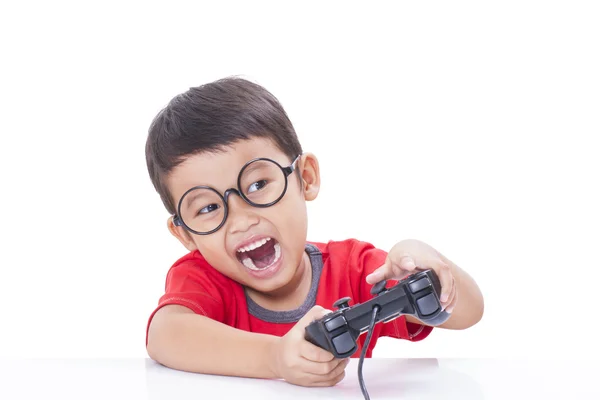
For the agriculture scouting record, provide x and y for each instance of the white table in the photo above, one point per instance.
(385, 378)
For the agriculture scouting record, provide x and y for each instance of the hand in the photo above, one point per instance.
(302, 363)
(410, 256)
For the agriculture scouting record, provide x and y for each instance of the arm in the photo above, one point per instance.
(181, 339)
(464, 301)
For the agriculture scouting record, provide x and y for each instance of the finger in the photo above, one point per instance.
(403, 267)
(446, 281)
(381, 273)
(407, 263)
(334, 373)
(326, 375)
(452, 303)
(451, 296)
(321, 370)
(331, 382)
(315, 313)
(313, 353)
(450, 290)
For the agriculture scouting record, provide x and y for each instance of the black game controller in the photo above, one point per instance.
(417, 295)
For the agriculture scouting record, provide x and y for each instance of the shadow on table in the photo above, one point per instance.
(384, 378)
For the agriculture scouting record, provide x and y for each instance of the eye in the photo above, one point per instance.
(257, 186)
(208, 209)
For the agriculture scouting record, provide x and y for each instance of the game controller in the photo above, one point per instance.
(417, 295)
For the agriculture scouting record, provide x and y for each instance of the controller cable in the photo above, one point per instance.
(361, 381)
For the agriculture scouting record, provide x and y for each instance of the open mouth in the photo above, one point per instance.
(260, 254)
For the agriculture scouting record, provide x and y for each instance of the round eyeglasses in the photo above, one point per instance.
(261, 182)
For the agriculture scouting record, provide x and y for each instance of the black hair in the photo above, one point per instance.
(209, 118)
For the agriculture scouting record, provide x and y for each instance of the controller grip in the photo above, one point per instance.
(440, 316)
(314, 335)
(438, 319)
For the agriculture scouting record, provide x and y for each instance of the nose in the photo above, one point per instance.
(241, 215)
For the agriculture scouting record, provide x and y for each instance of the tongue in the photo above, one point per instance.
(264, 255)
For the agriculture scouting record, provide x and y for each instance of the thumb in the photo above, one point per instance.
(315, 313)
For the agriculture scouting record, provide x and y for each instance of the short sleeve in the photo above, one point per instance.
(191, 284)
(368, 258)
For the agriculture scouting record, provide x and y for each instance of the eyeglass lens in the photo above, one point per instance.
(261, 183)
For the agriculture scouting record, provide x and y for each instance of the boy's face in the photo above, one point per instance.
(261, 248)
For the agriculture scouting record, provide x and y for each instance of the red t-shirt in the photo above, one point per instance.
(339, 270)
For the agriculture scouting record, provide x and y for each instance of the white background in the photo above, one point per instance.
(469, 125)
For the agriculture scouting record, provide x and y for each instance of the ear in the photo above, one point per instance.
(311, 178)
(181, 234)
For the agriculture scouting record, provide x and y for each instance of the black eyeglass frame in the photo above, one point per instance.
(287, 171)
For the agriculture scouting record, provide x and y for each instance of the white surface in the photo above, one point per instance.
(470, 125)
(407, 379)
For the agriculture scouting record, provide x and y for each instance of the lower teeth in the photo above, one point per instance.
(248, 263)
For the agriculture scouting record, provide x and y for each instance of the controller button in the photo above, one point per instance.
(378, 288)
(334, 323)
(428, 304)
(342, 303)
(419, 285)
(343, 343)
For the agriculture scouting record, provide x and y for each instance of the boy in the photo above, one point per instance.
(228, 166)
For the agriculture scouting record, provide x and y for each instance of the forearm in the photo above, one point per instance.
(186, 341)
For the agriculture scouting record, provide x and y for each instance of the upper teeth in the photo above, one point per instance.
(254, 245)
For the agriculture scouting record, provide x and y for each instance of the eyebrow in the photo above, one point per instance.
(203, 193)
(199, 193)
(255, 166)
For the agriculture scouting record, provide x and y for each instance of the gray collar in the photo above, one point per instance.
(283, 317)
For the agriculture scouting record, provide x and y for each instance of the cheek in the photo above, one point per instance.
(292, 220)
(212, 249)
